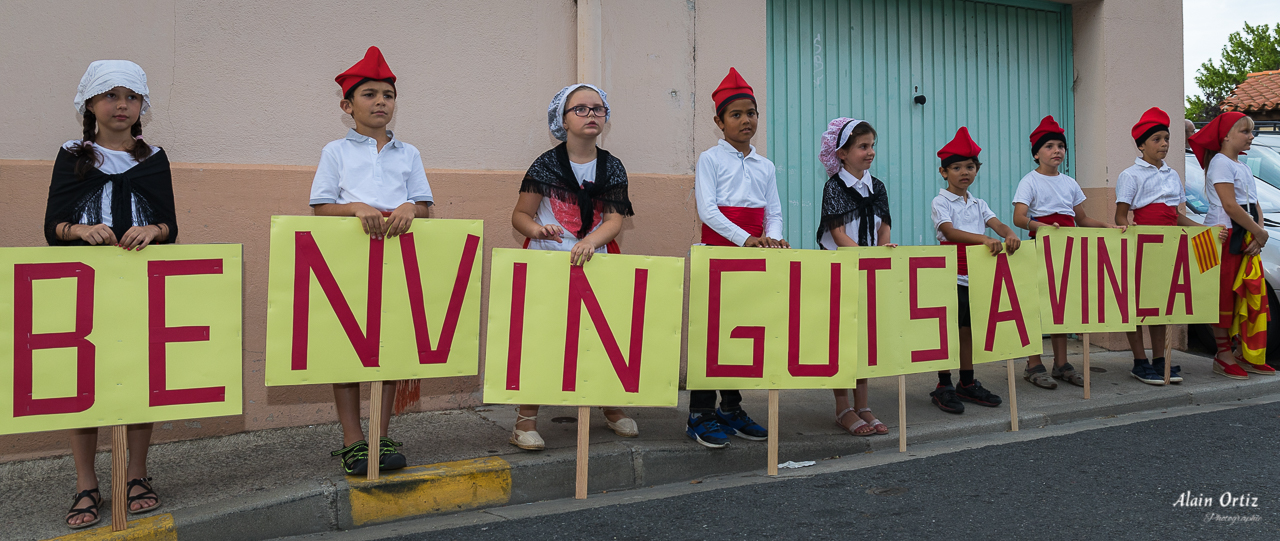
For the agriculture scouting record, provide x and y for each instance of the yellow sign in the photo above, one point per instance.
(1004, 303)
(1176, 277)
(603, 334)
(98, 336)
(1086, 280)
(910, 310)
(344, 308)
(772, 319)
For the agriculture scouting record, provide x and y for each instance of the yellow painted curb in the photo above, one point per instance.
(436, 488)
(155, 528)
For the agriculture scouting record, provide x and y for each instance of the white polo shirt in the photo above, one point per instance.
(1221, 171)
(863, 186)
(1143, 184)
(353, 170)
(726, 178)
(969, 215)
(1044, 195)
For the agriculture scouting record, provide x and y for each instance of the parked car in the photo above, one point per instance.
(1264, 160)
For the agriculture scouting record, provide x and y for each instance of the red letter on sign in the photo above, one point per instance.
(833, 331)
(308, 259)
(1119, 287)
(25, 342)
(515, 335)
(871, 265)
(1004, 282)
(1137, 276)
(1180, 283)
(1058, 296)
(159, 334)
(937, 312)
(413, 278)
(756, 334)
(580, 295)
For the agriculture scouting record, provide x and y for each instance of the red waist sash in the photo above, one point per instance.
(1156, 214)
(749, 219)
(1061, 220)
(962, 261)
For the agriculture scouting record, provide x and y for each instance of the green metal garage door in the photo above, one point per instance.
(996, 67)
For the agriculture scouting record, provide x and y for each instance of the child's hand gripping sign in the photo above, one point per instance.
(96, 337)
(343, 307)
(605, 333)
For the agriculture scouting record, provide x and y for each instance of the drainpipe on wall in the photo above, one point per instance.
(589, 54)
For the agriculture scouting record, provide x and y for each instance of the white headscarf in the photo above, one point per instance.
(555, 111)
(104, 75)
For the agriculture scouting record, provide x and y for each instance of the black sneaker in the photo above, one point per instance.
(945, 398)
(738, 423)
(355, 458)
(976, 393)
(389, 457)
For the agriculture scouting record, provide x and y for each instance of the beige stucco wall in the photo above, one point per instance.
(243, 99)
(1128, 58)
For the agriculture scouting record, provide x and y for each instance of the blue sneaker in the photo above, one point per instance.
(737, 423)
(705, 429)
(1147, 374)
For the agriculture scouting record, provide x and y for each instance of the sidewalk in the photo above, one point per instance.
(267, 484)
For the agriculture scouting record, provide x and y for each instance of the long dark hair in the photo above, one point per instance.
(87, 157)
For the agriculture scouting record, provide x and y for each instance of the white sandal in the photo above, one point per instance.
(876, 424)
(625, 427)
(855, 426)
(528, 440)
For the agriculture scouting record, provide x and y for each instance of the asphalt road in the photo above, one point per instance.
(1116, 482)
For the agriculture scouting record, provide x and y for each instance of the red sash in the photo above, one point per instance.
(1061, 220)
(1156, 214)
(611, 248)
(749, 219)
(962, 261)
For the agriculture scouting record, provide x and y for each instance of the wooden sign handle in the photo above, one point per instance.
(773, 432)
(902, 414)
(375, 428)
(1013, 397)
(119, 478)
(1086, 365)
(1168, 352)
(584, 439)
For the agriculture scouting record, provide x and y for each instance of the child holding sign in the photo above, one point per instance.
(573, 199)
(855, 212)
(1045, 197)
(737, 192)
(379, 179)
(1153, 191)
(111, 188)
(1233, 203)
(960, 220)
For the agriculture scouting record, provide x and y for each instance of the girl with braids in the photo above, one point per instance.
(855, 212)
(111, 188)
(573, 199)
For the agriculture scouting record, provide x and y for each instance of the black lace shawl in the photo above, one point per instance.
(552, 176)
(72, 198)
(842, 204)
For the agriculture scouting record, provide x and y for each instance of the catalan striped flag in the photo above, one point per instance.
(1206, 250)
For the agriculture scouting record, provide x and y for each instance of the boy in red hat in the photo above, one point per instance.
(1047, 198)
(960, 219)
(1153, 191)
(1233, 203)
(379, 179)
(737, 193)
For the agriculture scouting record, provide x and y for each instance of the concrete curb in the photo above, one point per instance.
(339, 503)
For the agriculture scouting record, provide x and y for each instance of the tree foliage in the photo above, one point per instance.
(1254, 49)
